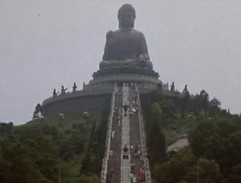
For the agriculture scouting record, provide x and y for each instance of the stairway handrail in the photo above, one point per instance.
(143, 142)
(108, 138)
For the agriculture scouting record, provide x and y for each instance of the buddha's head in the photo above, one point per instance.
(126, 16)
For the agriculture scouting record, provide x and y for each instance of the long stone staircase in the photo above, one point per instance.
(125, 158)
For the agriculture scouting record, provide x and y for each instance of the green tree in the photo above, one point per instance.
(91, 178)
(200, 136)
(23, 169)
(234, 148)
(5, 171)
(156, 112)
(168, 109)
(174, 170)
(214, 106)
(6, 128)
(207, 171)
(156, 144)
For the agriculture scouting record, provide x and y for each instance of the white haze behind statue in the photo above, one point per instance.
(46, 44)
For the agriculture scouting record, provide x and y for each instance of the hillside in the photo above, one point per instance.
(69, 148)
(213, 133)
(53, 149)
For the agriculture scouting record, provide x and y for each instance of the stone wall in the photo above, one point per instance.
(77, 104)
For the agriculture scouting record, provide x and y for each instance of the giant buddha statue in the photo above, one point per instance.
(125, 47)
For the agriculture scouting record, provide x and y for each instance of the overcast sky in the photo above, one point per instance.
(45, 44)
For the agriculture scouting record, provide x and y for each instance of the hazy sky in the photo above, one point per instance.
(45, 44)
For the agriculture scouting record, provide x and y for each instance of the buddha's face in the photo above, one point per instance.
(126, 17)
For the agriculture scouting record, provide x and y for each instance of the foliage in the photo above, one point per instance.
(155, 144)
(6, 128)
(213, 133)
(185, 168)
(89, 179)
(92, 161)
(50, 149)
(155, 138)
(219, 140)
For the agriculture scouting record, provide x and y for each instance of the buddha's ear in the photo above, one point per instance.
(109, 34)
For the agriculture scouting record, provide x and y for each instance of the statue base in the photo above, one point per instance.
(145, 79)
(96, 95)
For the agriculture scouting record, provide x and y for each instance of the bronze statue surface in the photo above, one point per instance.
(125, 47)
